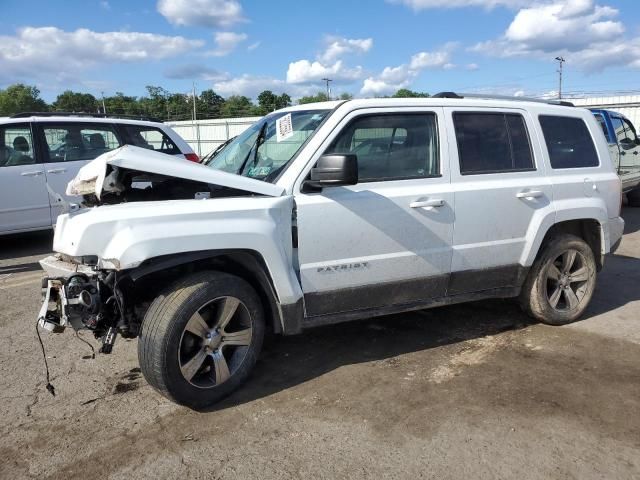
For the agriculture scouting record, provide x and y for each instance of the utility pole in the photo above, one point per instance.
(561, 60)
(328, 89)
(104, 108)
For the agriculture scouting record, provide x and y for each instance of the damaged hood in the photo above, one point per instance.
(91, 177)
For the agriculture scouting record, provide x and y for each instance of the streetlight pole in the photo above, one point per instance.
(104, 109)
(327, 80)
(561, 60)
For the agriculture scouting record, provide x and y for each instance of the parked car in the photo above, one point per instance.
(40, 154)
(286, 228)
(624, 147)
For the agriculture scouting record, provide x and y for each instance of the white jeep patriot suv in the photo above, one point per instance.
(329, 212)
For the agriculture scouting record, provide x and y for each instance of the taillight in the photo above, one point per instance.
(193, 157)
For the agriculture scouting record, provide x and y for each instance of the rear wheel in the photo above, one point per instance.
(201, 338)
(561, 282)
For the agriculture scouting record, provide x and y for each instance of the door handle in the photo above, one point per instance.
(32, 174)
(623, 153)
(530, 194)
(57, 170)
(427, 203)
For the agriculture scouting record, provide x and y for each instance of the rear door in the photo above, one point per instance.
(67, 146)
(499, 185)
(24, 201)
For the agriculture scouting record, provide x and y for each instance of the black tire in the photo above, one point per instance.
(171, 340)
(633, 198)
(551, 296)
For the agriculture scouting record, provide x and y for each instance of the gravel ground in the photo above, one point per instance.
(468, 391)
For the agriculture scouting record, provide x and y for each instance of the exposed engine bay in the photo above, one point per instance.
(126, 185)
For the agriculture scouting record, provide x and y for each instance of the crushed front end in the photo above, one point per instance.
(79, 295)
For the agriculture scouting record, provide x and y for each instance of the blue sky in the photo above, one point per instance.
(369, 48)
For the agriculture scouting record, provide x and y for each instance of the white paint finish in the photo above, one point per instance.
(25, 200)
(494, 215)
(135, 158)
(374, 223)
(133, 232)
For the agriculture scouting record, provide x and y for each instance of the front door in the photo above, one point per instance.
(24, 201)
(387, 240)
(629, 149)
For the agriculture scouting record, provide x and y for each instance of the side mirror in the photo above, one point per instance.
(335, 170)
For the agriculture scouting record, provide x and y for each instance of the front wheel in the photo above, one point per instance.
(561, 282)
(201, 338)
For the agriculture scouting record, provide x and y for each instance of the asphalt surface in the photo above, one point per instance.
(468, 391)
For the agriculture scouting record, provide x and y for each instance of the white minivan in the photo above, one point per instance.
(40, 154)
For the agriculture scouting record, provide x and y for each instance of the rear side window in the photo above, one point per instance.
(68, 142)
(150, 138)
(492, 143)
(568, 141)
(603, 125)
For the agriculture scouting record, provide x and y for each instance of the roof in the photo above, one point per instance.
(73, 118)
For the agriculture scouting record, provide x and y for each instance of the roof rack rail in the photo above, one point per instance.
(144, 118)
(502, 97)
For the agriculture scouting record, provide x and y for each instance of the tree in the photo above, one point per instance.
(209, 104)
(319, 97)
(346, 96)
(21, 98)
(69, 101)
(406, 93)
(123, 105)
(267, 102)
(239, 106)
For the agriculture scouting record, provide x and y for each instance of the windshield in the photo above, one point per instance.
(264, 149)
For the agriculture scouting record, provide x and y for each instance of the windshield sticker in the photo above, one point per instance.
(284, 128)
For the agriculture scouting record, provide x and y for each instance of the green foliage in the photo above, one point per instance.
(319, 97)
(157, 103)
(69, 101)
(20, 98)
(345, 96)
(406, 93)
(269, 101)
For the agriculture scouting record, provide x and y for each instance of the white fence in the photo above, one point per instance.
(205, 135)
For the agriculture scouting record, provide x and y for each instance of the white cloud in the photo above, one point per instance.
(425, 4)
(472, 66)
(392, 79)
(226, 42)
(253, 46)
(49, 52)
(105, 5)
(337, 47)
(251, 86)
(305, 71)
(587, 35)
(202, 13)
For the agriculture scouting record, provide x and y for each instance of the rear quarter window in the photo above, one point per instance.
(151, 138)
(569, 142)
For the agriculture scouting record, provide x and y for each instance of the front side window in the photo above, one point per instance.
(492, 143)
(631, 140)
(150, 138)
(16, 146)
(265, 149)
(569, 142)
(74, 141)
(391, 147)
